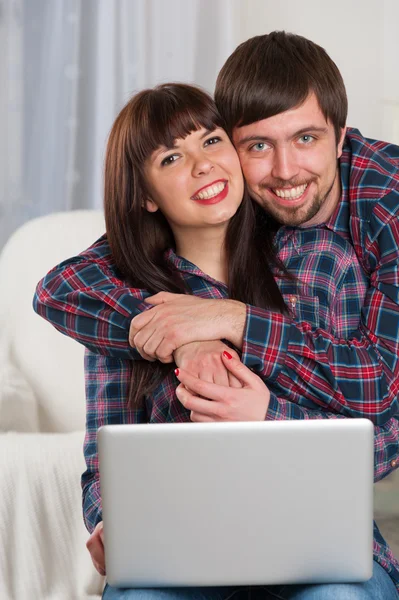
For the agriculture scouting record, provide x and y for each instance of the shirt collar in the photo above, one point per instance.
(185, 266)
(368, 170)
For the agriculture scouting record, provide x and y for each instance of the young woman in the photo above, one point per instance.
(174, 203)
(179, 220)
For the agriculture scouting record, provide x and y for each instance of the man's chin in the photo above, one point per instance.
(292, 217)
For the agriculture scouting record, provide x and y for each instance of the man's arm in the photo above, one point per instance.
(212, 402)
(84, 298)
(386, 437)
(358, 376)
(107, 384)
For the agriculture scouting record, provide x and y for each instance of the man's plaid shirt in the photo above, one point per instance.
(336, 355)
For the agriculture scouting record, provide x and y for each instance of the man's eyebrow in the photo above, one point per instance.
(262, 138)
(311, 129)
(253, 138)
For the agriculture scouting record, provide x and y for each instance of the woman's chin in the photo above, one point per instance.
(223, 216)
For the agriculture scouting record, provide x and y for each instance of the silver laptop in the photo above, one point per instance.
(237, 503)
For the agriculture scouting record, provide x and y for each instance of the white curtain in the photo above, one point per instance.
(68, 66)
(11, 61)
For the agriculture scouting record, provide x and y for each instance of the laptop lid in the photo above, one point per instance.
(257, 503)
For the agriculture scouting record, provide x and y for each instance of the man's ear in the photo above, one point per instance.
(150, 205)
(341, 142)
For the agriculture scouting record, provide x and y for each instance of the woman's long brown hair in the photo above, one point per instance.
(139, 239)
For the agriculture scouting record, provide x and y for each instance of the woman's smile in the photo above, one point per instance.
(213, 193)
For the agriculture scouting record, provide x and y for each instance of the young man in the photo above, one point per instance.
(285, 105)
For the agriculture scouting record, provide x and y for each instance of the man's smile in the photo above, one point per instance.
(293, 192)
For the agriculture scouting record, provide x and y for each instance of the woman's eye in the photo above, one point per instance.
(306, 139)
(169, 160)
(212, 141)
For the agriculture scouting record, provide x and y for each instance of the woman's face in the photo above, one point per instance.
(196, 184)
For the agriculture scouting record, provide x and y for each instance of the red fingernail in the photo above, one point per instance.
(226, 354)
(176, 372)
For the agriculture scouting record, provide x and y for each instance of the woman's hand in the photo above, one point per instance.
(204, 360)
(212, 402)
(95, 545)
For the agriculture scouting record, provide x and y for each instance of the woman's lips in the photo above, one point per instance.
(215, 199)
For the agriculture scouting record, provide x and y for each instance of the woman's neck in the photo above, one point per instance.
(205, 248)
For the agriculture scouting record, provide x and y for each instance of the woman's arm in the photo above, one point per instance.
(107, 384)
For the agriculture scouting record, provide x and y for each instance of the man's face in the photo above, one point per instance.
(290, 164)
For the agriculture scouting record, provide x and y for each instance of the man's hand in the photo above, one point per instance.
(178, 319)
(95, 545)
(204, 360)
(211, 402)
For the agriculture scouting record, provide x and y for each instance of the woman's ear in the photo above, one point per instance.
(150, 205)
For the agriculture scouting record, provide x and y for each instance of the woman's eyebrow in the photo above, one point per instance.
(163, 149)
(207, 132)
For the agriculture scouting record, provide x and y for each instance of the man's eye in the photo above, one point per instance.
(306, 139)
(169, 160)
(212, 141)
(259, 147)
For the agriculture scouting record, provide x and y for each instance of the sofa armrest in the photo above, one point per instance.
(42, 535)
(19, 410)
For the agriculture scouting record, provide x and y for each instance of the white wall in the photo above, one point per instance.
(361, 36)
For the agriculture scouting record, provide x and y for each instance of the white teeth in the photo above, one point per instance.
(210, 191)
(293, 193)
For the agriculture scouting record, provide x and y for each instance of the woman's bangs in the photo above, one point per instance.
(165, 122)
(184, 121)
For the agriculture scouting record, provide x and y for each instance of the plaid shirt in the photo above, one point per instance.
(331, 352)
(108, 378)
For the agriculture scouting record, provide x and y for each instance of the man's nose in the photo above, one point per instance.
(285, 165)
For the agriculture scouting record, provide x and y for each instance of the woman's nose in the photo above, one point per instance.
(202, 165)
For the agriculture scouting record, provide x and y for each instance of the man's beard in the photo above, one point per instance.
(293, 217)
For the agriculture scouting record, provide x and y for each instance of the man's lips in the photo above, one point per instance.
(290, 192)
(289, 196)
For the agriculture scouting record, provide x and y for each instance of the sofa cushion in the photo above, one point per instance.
(50, 363)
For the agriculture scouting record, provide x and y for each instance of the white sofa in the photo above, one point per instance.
(42, 416)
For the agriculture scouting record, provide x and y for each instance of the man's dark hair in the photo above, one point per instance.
(269, 74)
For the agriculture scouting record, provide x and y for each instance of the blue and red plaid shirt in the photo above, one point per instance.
(336, 355)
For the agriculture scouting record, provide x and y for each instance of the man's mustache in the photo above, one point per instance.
(283, 183)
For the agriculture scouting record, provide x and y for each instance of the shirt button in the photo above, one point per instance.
(293, 300)
(394, 463)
